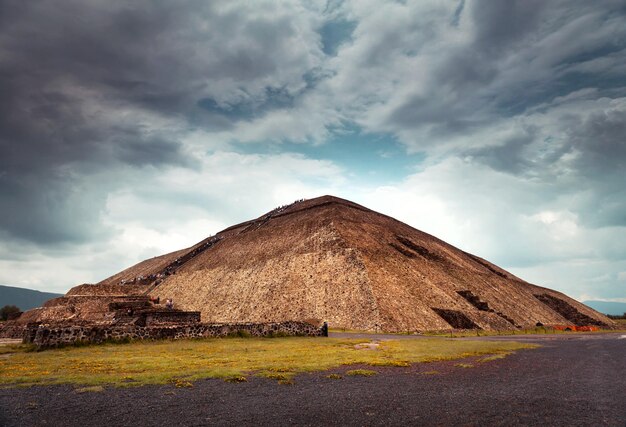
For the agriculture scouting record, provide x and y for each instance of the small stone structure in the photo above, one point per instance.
(167, 317)
(99, 318)
(11, 330)
(51, 335)
(153, 317)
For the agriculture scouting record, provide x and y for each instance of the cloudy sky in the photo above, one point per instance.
(129, 129)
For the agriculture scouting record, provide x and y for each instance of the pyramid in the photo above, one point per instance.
(331, 259)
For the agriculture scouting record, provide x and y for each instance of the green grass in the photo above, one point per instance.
(483, 333)
(90, 389)
(394, 363)
(236, 379)
(493, 357)
(464, 365)
(276, 376)
(361, 373)
(15, 348)
(234, 359)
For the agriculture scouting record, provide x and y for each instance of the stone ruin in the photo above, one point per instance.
(68, 333)
(142, 311)
(325, 258)
(96, 319)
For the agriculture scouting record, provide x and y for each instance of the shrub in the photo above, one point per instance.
(236, 379)
(361, 373)
(8, 310)
(395, 363)
(180, 383)
(464, 365)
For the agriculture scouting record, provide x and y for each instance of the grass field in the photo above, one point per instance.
(483, 333)
(486, 333)
(233, 359)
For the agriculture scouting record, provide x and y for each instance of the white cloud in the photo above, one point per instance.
(174, 209)
(520, 117)
(510, 221)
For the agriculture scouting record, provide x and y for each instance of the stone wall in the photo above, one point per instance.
(11, 330)
(170, 316)
(47, 336)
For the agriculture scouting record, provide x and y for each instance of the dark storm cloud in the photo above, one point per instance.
(520, 54)
(274, 99)
(50, 145)
(93, 87)
(457, 14)
(528, 88)
(120, 121)
(601, 137)
(601, 141)
(500, 25)
(584, 147)
(508, 157)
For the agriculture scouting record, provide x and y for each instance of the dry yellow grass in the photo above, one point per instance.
(464, 365)
(161, 362)
(361, 373)
(529, 331)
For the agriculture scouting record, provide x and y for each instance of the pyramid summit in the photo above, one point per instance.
(331, 259)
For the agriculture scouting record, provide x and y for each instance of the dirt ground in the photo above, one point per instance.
(574, 380)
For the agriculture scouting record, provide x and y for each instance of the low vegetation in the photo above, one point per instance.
(464, 365)
(620, 320)
(7, 311)
(617, 317)
(493, 357)
(513, 332)
(361, 373)
(234, 359)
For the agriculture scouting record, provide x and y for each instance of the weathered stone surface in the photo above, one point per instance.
(329, 259)
(11, 330)
(568, 311)
(47, 336)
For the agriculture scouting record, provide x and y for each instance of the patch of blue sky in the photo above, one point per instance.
(377, 159)
(334, 34)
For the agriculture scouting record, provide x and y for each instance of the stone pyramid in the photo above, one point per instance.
(333, 260)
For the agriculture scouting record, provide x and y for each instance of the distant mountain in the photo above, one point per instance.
(608, 307)
(23, 298)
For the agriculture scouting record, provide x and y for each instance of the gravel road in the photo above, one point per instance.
(573, 380)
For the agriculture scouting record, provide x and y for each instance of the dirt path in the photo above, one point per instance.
(572, 380)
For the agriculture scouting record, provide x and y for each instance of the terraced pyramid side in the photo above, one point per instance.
(334, 260)
(291, 267)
